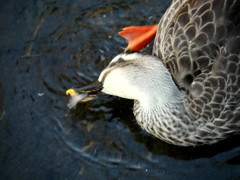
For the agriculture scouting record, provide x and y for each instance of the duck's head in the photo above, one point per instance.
(132, 76)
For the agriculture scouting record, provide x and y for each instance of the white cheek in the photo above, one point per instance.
(118, 84)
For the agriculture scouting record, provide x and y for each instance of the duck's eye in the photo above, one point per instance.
(120, 60)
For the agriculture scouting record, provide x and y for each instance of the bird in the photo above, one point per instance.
(187, 92)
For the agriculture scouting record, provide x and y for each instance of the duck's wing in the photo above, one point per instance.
(191, 33)
(199, 42)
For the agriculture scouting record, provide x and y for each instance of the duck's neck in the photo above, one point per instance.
(169, 122)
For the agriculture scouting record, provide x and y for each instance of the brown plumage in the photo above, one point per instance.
(199, 41)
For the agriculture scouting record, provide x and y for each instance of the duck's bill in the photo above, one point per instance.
(84, 94)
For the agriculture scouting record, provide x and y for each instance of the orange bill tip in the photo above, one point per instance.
(138, 36)
(71, 92)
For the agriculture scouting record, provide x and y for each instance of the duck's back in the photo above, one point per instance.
(199, 42)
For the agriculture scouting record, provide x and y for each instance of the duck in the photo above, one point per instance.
(187, 92)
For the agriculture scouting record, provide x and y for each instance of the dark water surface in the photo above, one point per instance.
(47, 47)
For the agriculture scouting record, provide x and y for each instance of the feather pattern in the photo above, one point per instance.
(199, 43)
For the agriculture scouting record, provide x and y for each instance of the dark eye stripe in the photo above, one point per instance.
(112, 64)
(119, 61)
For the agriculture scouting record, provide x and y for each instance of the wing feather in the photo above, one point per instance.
(199, 42)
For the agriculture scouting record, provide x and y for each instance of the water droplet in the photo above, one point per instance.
(41, 94)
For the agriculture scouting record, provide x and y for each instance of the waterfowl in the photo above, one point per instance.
(187, 92)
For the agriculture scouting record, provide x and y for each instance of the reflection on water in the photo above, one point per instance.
(49, 46)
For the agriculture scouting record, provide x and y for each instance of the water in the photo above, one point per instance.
(49, 46)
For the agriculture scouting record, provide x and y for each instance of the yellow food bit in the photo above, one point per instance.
(71, 92)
